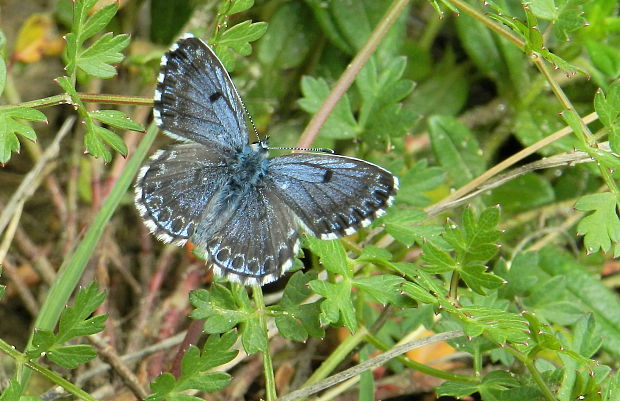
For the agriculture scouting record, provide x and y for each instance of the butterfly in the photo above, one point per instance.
(243, 210)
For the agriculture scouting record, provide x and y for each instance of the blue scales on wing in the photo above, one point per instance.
(176, 186)
(332, 195)
(196, 100)
(251, 238)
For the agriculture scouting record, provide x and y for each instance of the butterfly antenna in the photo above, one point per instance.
(247, 113)
(322, 150)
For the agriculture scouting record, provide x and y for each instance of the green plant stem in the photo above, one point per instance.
(427, 370)
(492, 25)
(73, 267)
(52, 376)
(270, 381)
(454, 286)
(529, 364)
(348, 76)
(85, 97)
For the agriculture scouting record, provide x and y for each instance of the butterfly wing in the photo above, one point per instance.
(174, 188)
(195, 98)
(332, 195)
(252, 239)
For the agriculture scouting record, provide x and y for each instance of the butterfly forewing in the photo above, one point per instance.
(332, 195)
(195, 98)
(176, 186)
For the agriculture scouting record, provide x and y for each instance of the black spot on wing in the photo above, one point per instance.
(215, 96)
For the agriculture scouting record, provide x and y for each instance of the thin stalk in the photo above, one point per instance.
(348, 76)
(270, 381)
(53, 377)
(85, 97)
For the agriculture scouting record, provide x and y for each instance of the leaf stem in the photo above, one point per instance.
(85, 97)
(45, 372)
(529, 364)
(348, 76)
(270, 382)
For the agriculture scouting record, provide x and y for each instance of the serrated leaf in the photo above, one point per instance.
(456, 149)
(12, 392)
(601, 228)
(96, 60)
(341, 124)
(401, 224)
(439, 261)
(238, 37)
(117, 119)
(2, 75)
(71, 356)
(337, 306)
(418, 293)
(384, 288)
(239, 5)
(476, 278)
(209, 382)
(112, 139)
(99, 20)
(253, 337)
(332, 254)
(9, 127)
(167, 19)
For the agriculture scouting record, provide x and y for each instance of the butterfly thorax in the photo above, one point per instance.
(248, 167)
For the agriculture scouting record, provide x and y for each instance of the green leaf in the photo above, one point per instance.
(438, 261)
(456, 149)
(239, 5)
(74, 322)
(167, 18)
(253, 337)
(71, 356)
(194, 367)
(383, 288)
(238, 37)
(476, 278)
(9, 126)
(419, 179)
(341, 124)
(2, 75)
(606, 58)
(523, 193)
(96, 60)
(95, 146)
(401, 224)
(337, 307)
(607, 106)
(116, 119)
(332, 254)
(288, 39)
(418, 293)
(98, 21)
(294, 318)
(601, 228)
(12, 392)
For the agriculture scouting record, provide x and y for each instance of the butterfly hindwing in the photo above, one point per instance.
(332, 195)
(175, 187)
(195, 98)
(252, 239)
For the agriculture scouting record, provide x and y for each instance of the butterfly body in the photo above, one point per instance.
(243, 209)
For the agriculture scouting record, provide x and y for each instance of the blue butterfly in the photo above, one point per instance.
(243, 210)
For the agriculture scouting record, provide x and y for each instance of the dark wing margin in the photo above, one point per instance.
(332, 195)
(174, 188)
(196, 100)
(253, 242)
